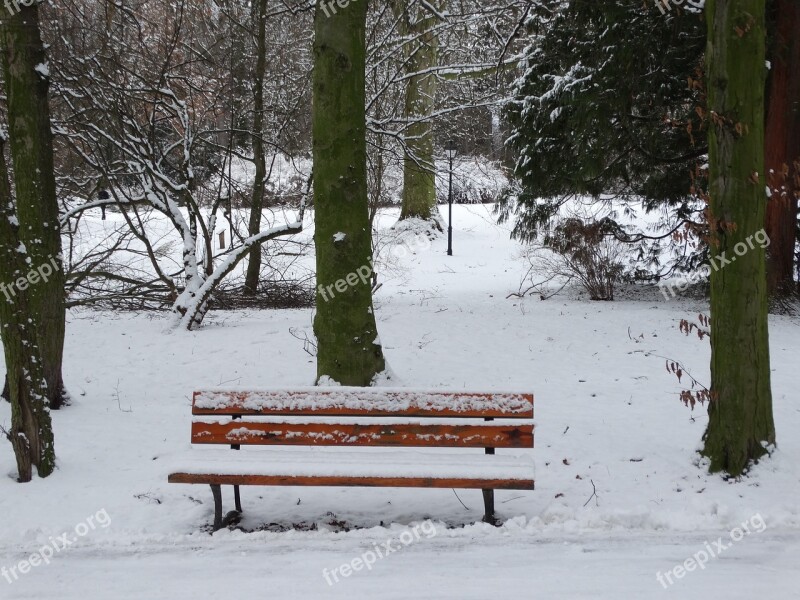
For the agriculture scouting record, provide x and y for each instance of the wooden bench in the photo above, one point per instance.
(365, 418)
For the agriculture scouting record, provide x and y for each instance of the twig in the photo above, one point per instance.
(594, 495)
(459, 499)
(119, 402)
(510, 499)
(677, 362)
(307, 342)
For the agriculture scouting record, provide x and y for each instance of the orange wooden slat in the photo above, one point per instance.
(494, 435)
(420, 482)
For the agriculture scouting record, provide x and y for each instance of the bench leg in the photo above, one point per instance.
(237, 498)
(488, 496)
(216, 490)
(488, 503)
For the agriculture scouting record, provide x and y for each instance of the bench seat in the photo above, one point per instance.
(372, 469)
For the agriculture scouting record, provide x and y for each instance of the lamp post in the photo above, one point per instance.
(450, 150)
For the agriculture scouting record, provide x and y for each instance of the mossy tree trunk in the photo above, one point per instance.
(783, 143)
(740, 411)
(257, 198)
(349, 351)
(421, 57)
(31, 433)
(27, 84)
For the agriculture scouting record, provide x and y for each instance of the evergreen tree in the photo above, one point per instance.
(607, 104)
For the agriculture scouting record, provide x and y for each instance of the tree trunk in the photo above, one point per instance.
(419, 166)
(782, 152)
(349, 351)
(31, 433)
(740, 411)
(31, 143)
(257, 201)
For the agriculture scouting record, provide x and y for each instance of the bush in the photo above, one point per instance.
(589, 252)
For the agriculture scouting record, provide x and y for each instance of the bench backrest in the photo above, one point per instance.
(363, 417)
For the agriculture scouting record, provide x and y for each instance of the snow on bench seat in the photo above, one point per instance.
(337, 401)
(390, 469)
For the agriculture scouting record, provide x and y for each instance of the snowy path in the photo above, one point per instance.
(463, 568)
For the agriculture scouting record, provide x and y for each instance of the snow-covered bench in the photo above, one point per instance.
(367, 418)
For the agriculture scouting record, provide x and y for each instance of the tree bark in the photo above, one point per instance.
(349, 351)
(782, 151)
(257, 199)
(31, 144)
(740, 411)
(419, 166)
(31, 433)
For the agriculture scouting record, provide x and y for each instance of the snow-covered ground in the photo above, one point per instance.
(608, 419)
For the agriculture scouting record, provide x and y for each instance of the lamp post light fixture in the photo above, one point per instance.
(451, 151)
